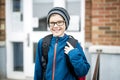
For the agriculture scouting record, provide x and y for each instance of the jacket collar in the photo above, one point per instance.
(60, 38)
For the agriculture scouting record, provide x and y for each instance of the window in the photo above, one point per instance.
(18, 56)
(16, 5)
(73, 7)
(40, 10)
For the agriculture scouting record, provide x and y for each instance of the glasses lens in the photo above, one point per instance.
(51, 23)
(59, 23)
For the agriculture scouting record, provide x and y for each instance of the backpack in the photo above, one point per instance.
(45, 49)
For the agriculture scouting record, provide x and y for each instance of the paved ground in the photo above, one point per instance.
(17, 79)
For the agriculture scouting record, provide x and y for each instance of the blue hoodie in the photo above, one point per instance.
(76, 56)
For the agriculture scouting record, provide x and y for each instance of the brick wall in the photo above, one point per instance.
(88, 25)
(105, 22)
(2, 21)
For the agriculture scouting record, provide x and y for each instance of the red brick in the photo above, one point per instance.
(111, 0)
(105, 12)
(110, 24)
(116, 20)
(104, 20)
(111, 16)
(111, 8)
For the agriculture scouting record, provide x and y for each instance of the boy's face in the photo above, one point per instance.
(57, 25)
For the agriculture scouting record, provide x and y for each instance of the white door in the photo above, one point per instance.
(15, 39)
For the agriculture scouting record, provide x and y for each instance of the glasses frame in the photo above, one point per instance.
(58, 23)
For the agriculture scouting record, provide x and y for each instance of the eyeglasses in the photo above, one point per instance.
(59, 23)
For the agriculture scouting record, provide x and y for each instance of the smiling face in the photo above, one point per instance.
(57, 25)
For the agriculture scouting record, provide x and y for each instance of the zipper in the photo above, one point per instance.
(54, 59)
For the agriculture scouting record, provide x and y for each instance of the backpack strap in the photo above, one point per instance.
(45, 45)
(45, 49)
(73, 42)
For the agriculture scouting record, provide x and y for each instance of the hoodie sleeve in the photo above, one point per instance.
(79, 61)
(38, 69)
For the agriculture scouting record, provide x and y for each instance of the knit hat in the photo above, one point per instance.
(61, 11)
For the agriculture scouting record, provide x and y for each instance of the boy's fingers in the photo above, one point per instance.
(68, 44)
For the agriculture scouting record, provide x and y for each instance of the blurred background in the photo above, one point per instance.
(95, 23)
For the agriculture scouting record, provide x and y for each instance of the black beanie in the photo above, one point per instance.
(61, 11)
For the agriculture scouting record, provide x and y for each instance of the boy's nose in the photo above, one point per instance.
(55, 25)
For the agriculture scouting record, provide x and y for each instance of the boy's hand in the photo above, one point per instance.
(68, 48)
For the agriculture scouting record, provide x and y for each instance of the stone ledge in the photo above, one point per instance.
(105, 49)
(2, 43)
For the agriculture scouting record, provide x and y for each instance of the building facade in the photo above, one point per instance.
(102, 22)
(2, 39)
(22, 25)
